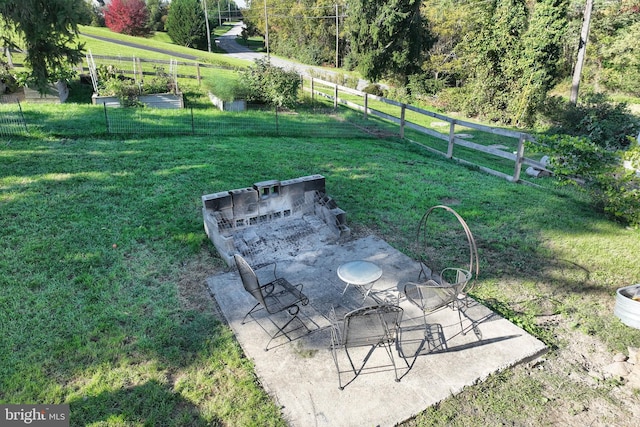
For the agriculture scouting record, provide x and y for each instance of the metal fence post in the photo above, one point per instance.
(193, 128)
(106, 117)
(335, 97)
(24, 122)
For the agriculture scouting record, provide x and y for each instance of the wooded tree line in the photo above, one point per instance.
(496, 58)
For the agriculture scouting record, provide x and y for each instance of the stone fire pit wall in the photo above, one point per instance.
(268, 205)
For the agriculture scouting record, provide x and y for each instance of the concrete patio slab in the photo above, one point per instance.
(301, 375)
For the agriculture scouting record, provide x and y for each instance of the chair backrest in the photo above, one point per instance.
(371, 325)
(456, 277)
(249, 278)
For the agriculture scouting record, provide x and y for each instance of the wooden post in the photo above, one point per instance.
(335, 97)
(403, 109)
(366, 105)
(312, 90)
(198, 72)
(519, 158)
(452, 136)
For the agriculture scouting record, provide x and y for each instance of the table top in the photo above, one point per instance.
(359, 272)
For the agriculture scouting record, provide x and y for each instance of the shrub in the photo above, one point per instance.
(620, 196)
(374, 89)
(607, 124)
(632, 155)
(127, 17)
(421, 85)
(598, 171)
(271, 85)
(453, 99)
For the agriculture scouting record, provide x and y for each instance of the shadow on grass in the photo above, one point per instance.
(150, 404)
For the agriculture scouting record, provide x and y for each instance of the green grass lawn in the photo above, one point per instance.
(104, 258)
(99, 47)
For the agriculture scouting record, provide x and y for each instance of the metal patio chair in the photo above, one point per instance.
(277, 296)
(431, 292)
(375, 326)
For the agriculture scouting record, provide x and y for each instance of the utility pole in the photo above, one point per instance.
(219, 16)
(206, 21)
(582, 49)
(266, 31)
(337, 38)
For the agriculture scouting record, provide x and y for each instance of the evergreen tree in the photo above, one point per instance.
(541, 58)
(48, 29)
(388, 38)
(514, 56)
(157, 12)
(185, 24)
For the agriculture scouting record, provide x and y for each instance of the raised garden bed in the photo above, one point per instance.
(237, 105)
(156, 100)
(56, 93)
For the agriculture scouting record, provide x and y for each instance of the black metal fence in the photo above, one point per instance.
(12, 121)
(98, 120)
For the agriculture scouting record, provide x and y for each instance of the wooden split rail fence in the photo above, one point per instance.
(195, 65)
(332, 91)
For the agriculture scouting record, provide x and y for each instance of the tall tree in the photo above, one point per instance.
(127, 17)
(514, 55)
(448, 23)
(388, 38)
(613, 54)
(49, 30)
(304, 30)
(157, 13)
(185, 24)
(541, 58)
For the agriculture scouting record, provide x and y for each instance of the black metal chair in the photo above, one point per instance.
(275, 297)
(375, 326)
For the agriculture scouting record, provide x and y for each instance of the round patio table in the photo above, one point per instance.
(362, 274)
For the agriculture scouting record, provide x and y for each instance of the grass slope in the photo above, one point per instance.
(104, 260)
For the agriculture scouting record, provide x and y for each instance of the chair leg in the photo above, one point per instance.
(293, 311)
(389, 350)
(249, 314)
(334, 354)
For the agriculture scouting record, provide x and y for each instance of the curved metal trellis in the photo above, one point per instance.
(474, 267)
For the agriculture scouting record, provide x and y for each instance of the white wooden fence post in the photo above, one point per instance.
(519, 158)
(452, 136)
(366, 105)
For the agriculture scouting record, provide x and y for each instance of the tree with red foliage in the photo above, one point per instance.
(127, 17)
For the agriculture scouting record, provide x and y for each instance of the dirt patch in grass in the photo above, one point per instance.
(193, 291)
(578, 392)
